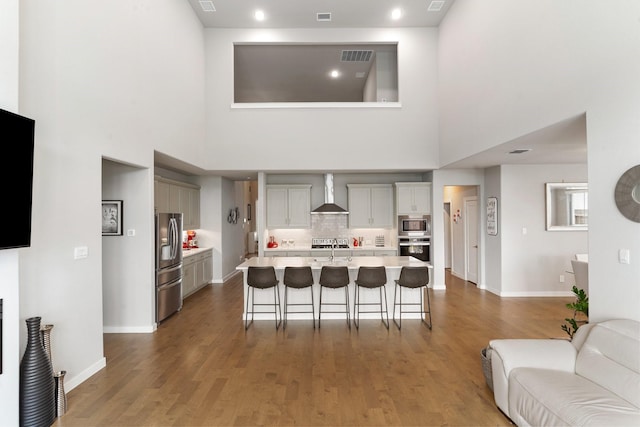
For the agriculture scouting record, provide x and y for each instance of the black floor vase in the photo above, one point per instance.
(37, 384)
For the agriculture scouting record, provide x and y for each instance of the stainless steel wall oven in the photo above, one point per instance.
(417, 247)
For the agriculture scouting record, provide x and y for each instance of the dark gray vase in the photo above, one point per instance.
(37, 384)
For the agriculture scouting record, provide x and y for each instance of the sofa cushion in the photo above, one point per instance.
(610, 357)
(545, 397)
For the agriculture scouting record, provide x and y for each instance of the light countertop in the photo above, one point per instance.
(194, 251)
(393, 262)
(308, 248)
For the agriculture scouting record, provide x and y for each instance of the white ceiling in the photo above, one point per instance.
(303, 13)
(563, 142)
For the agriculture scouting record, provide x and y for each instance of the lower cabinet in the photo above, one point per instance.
(197, 272)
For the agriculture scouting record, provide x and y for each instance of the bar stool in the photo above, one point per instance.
(412, 278)
(335, 277)
(298, 278)
(371, 278)
(262, 278)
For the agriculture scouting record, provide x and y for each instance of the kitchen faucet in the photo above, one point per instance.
(334, 243)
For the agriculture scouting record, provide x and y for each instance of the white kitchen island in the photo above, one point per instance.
(393, 265)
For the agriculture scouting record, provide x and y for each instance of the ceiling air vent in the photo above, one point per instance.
(435, 6)
(520, 151)
(356, 55)
(325, 16)
(207, 6)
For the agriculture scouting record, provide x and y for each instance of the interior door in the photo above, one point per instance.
(471, 238)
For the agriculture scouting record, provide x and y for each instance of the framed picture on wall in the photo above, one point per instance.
(112, 217)
(492, 216)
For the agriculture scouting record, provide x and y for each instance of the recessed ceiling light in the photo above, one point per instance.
(396, 14)
(207, 6)
(335, 74)
(435, 6)
(520, 151)
(259, 15)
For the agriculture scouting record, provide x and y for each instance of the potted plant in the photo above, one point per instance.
(580, 309)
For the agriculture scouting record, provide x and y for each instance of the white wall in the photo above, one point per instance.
(502, 74)
(531, 263)
(493, 244)
(211, 216)
(319, 138)
(109, 80)
(128, 264)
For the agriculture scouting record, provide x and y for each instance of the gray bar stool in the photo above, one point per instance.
(262, 278)
(335, 277)
(412, 278)
(298, 278)
(371, 278)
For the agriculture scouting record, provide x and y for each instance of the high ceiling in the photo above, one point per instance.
(560, 143)
(303, 13)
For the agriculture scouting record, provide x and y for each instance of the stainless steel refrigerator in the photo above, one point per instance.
(168, 264)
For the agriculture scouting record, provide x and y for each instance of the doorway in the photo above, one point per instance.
(461, 224)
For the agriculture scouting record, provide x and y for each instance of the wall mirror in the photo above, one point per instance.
(302, 72)
(567, 206)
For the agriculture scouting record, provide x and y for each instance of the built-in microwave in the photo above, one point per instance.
(414, 225)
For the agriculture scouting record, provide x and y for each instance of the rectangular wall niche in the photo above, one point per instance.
(302, 72)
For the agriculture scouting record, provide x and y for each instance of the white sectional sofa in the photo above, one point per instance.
(593, 380)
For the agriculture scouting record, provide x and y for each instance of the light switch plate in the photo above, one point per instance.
(80, 252)
(131, 232)
(624, 257)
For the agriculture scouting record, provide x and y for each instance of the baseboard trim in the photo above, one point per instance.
(73, 382)
(129, 329)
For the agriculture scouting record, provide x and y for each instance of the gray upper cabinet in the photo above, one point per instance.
(288, 206)
(413, 198)
(370, 205)
(174, 196)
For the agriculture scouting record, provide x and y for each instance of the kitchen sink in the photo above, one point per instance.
(339, 260)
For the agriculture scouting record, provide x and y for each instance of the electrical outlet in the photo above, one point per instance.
(80, 252)
(562, 278)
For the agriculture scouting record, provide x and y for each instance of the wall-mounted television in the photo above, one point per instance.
(16, 171)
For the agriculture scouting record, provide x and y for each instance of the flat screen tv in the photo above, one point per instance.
(16, 171)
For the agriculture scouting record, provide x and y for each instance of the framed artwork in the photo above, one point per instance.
(492, 216)
(112, 217)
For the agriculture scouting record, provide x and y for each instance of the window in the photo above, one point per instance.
(285, 72)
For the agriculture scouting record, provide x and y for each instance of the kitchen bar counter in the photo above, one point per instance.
(309, 248)
(393, 265)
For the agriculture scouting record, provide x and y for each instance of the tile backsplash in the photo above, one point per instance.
(327, 226)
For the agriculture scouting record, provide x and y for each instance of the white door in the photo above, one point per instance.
(446, 213)
(471, 238)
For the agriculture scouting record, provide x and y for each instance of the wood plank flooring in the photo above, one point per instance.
(200, 368)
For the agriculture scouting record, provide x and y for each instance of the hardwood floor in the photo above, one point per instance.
(200, 368)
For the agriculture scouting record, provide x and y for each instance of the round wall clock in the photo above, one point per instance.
(627, 194)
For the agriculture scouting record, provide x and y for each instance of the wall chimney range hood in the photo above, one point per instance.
(328, 207)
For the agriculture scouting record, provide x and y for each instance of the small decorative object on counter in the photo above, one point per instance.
(379, 241)
(272, 243)
(37, 385)
(355, 242)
